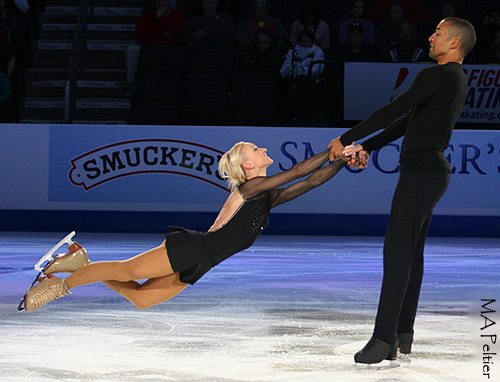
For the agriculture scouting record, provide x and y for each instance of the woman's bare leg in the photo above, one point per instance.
(148, 265)
(152, 292)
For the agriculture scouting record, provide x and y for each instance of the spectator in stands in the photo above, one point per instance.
(297, 90)
(413, 10)
(11, 49)
(210, 27)
(260, 19)
(159, 25)
(357, 11)
(6, 110)
(309, 18)
(388, 31)
(408, 49)
(485, 30)
(491, 55)
(262, 56)
(11, 32)
(356, 50)
(189, 8)
(449, 8)
(231, 7)
(299, 59)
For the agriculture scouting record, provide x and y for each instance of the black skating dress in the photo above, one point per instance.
(194, 253)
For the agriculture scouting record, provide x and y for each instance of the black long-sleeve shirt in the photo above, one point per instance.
(435, 101)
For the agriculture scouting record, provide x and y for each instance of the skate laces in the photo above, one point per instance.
(48, 294)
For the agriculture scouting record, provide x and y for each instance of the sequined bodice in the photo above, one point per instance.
(241, 230)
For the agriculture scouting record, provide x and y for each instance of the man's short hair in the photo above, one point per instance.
(464, 31)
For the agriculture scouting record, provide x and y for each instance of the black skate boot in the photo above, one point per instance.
(376, 351)
(405, 341)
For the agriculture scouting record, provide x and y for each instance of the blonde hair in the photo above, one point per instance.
(230, 166)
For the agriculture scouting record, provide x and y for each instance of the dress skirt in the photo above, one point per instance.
(187, 254)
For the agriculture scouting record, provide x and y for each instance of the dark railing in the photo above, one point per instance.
(76, 65)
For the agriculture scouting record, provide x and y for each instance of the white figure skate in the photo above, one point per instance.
(74, 259)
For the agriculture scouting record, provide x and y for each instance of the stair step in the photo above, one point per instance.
(82, 103)
(99, 74)
(95, 45)
(98, 11)
(76, 121)
(75, 3)
(85, 88)
(93, 59)
(94, 31)
(95, 19)
(86, 109)
(101, 86)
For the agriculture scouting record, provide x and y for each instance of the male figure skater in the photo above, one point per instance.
(435, 100)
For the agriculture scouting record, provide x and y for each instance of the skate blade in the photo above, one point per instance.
(384, 365)
(48, 256)
(22, 305)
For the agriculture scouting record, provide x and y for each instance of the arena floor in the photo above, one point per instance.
(290, 308)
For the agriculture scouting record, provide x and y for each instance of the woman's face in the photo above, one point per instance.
(257, 156)
(396, 14)
(305, 42)
(263, 43)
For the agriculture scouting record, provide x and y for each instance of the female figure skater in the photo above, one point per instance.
(187, 255)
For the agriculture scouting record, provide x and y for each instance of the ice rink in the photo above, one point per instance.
(290, 308)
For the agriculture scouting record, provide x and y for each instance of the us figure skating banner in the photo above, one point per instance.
(379, 83)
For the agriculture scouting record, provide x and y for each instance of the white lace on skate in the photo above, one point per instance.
(49, 289)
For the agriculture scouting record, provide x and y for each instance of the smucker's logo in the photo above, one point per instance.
(147, 156)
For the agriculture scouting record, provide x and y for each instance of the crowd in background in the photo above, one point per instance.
(270, 39)
(280, 38)
(371, 30)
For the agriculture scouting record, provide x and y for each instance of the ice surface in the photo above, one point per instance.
(290, 309)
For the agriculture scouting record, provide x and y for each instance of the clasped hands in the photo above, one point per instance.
(356, 156)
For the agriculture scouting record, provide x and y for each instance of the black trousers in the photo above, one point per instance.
(417, 192)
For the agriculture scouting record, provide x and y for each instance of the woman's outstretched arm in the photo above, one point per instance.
(314, 180)
(258, 185)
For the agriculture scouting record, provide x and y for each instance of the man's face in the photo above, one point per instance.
(440, 40)
(358, 9)
(260, 12)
